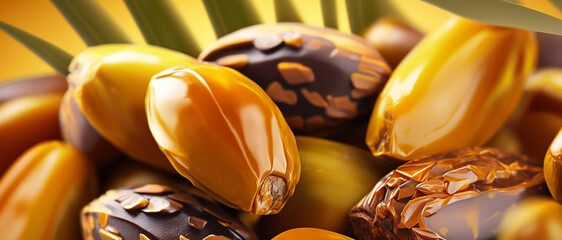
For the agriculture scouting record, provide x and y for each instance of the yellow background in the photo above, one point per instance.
(41, 18)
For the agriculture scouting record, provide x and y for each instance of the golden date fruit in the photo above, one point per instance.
(108, 82)
(553, 168)
(43, 191)
(393, 38)
(310, 233)
(220, 130)
(533, 218)
(26, 121)
(456, 88)
(334, 177)
(78, 132)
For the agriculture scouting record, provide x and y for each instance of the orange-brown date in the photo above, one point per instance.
(553, 168)
(310, 233)
(43, 191)
(26, 121)
(108, 83)
(222, 132)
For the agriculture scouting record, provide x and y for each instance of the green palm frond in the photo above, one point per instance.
(285, 11)
(362, 13)
(503, 13)
(94, 25)
(51, 54)
(230, 15)
(162, 25)
(329, 13)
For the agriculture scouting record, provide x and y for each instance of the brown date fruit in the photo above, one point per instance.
(155, 211)
(461, 194)
(319, 78)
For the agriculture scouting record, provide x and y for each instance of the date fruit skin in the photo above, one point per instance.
(109, 82)
(455, 89)
(393, 38)
(319, 78)
(310, 233)
(334, 177)
(26, 121)
(553, 168)
(78, 132)
(221, 131)
(36, 85)
(43, 191)
(539, 114)
(533, 218)
(154, 211)
(461, 194)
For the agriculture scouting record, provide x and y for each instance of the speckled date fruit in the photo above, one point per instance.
(155, 211)
(318, 77)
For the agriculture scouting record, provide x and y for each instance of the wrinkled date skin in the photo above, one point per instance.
(310, 233)
(155, 211)
(457, 195)
(108, 83)
(43, 191)
(319, 77)
(455, 89)
(222, 132)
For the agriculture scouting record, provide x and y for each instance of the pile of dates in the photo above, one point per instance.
(288, 131)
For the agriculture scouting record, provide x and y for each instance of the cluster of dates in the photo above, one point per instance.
(226, 122)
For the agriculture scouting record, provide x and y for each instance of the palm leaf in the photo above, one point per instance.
(329, 13)
(162, 25)
(91, 22)
(361, 14)
(51, 54)
(503, 13)
(230, 15)
(285, 11)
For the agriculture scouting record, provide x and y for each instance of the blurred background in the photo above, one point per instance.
(41, 18)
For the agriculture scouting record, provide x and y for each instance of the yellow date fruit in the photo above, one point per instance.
(43, 191)
(78, 132)
(454, 89)
(26, 121)
(221, 131)
(310, 233)
(553, 168)
(334, 177)
(109, 82)
(533, 218)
